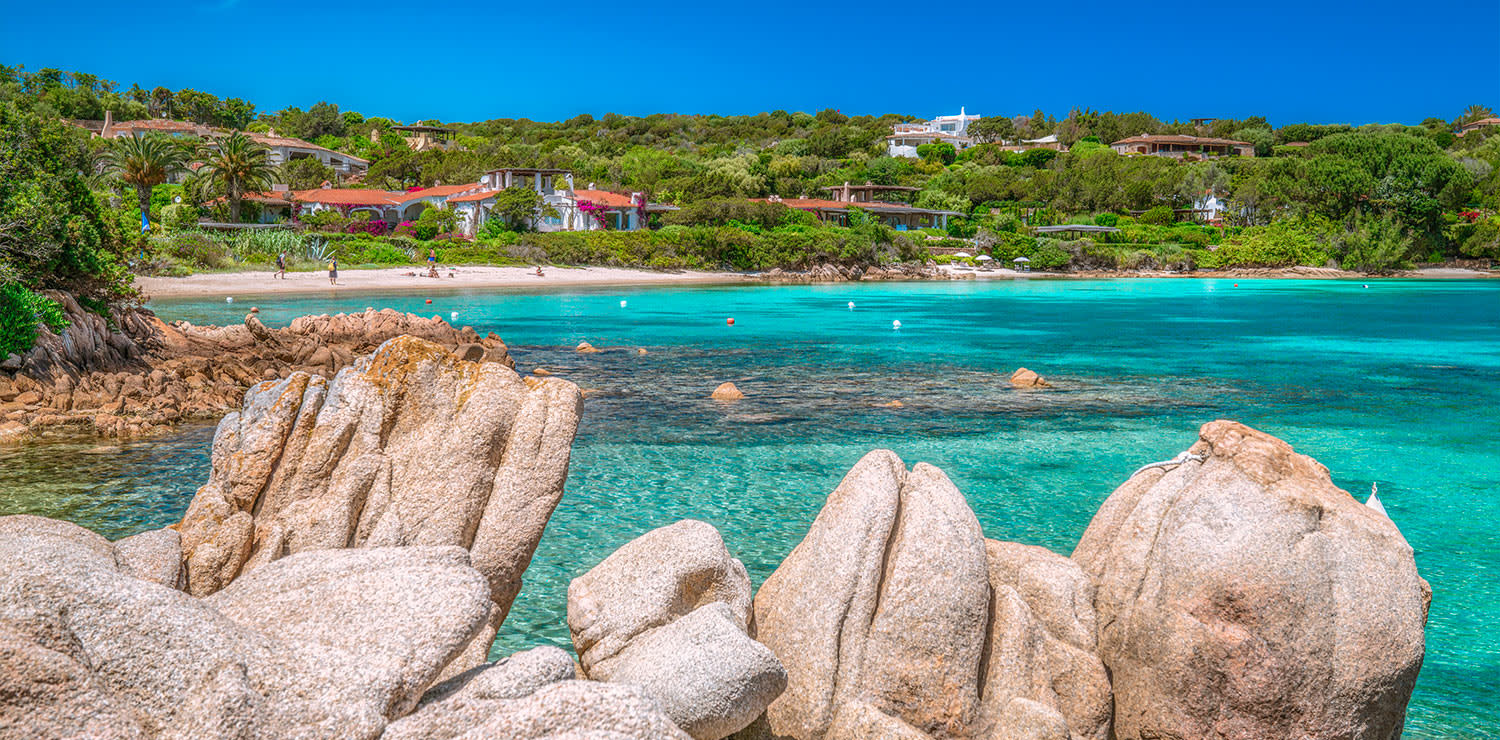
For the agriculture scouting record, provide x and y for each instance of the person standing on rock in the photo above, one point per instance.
(281, 265)
(333, 271)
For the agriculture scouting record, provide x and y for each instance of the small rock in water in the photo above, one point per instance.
(540, 372)
(1023, 378)
(891, 405)
(640, 350)
(586, 348)
(727, 392)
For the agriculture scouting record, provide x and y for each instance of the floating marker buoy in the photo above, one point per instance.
(730, 321)
(429, 300)
(1367, 285)
(622, 304)
(230, 299)
(851, 305)
(896, 324)
(453, 315)
(1235, 285)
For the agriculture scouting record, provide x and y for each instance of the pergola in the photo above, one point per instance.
(1076, 229)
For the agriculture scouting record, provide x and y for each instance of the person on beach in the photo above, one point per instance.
(539, 271)
(432, 257)
(333, 271)
(281, 265)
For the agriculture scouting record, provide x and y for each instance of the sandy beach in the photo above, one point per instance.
(480, 276)
(402, 279)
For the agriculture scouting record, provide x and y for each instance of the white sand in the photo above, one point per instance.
(397, 279)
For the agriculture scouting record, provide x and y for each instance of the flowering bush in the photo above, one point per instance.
(407, 229)
(598, 210)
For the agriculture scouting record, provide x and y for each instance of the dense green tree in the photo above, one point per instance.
(993, 130)
(233, 166)
(307, 173)
(143, 162)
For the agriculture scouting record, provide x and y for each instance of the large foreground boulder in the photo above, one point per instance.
(408, 446)
(1242, 595)
(668, 613)
(92, 650)
(884, 602)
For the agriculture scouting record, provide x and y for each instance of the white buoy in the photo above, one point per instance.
(453, 315)
(230, 299)
(622, 304)
(851, 305)
(1367, 285)
(896, 324)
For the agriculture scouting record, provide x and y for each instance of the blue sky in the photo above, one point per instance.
(1374, 61)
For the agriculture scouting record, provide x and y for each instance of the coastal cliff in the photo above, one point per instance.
(135, 375)
(336, 578)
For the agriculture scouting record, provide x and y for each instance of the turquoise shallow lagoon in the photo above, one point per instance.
(1397, 382)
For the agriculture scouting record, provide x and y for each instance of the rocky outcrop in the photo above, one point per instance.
(93, 650)
(315, 464)
(144, 375)
(829, 273)
(885, 601)
(1042, 677)
(669, 613)
(1242, 595)
(466, 701)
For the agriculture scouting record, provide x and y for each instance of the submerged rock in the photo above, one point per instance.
(312, 464)
(1242, 595)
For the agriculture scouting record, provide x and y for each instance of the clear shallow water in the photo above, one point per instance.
(1397, 383)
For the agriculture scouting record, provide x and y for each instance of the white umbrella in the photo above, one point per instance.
(961, 254)
(984, 258)
(1022, 259)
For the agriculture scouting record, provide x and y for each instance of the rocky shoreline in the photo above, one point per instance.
(138, 376)
(335, 578)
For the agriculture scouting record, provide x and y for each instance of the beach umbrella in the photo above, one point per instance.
(961, 254)
(984, 258)
(1019, 260)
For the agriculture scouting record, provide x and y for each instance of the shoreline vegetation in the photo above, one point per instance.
(470, 277)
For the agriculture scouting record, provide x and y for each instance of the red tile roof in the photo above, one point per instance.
(477, 195)
(604, 197)
(349, 197)
(441, 191)
(295, 143)
(1179, 139)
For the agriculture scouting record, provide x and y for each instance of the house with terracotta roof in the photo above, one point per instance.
(283, 149)
(1180, 146)
(875, 199)
(572, 209)
(1479, 124)
(906, 137)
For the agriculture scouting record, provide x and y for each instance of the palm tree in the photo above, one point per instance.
(234, 166)
(145, 162)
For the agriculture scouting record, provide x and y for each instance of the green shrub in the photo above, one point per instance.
(1159, 216)
(1106, 219)
(20, 312)
(1281, 244)
(179, 216)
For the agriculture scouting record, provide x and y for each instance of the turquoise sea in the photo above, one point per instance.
(1395, 382)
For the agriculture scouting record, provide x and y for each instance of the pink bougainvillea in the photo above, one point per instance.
(598, 210)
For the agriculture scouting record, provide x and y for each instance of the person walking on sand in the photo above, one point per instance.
(333, 271)
(432, 258)
(281, 265)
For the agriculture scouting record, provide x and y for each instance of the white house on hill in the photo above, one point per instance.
(906, 137)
